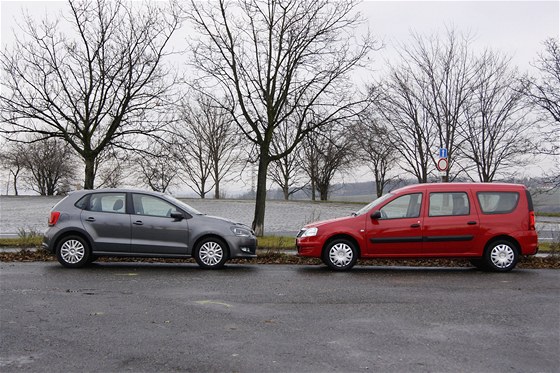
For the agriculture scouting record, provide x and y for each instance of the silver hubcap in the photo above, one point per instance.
(211, 253)
(72, 251)
(502, 256)
(341, 255)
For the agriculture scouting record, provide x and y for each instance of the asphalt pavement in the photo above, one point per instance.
(140, 317)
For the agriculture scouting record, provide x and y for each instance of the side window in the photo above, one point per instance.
(82, 203)
(449, 204)
(497, 202)
(407, 206)
(107, 202)
(152, 206)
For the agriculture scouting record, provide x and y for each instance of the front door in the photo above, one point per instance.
(154, 231)
(398, 232)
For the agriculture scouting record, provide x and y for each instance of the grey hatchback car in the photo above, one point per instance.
(88, 224)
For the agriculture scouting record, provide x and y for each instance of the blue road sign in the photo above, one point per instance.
(442, 152)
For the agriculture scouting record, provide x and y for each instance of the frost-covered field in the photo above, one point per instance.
(31, 212)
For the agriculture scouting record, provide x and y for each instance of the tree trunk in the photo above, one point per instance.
(89, 178)
(260, 201)
(324, 195)
(378, 187)
(286, 192)
(15, 175)
(313, 197)
(216, 182)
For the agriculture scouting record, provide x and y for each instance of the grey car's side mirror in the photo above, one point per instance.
(178, 216)
(376, 214)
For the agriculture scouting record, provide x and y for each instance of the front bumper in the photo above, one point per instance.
(308, 247)
(242, 247)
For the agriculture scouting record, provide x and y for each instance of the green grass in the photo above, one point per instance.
(549, 247)
(277, 243)
(22, 242)
(548, 214)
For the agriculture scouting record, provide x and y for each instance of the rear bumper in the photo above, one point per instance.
(48, 241)
(528, 241)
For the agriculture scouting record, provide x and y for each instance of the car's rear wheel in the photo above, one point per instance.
(501, 256)
(340, 255)
(211, 253)
(73, 252)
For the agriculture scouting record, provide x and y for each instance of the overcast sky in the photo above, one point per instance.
(516, 28)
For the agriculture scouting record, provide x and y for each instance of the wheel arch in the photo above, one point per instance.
(211, 235)
(73, 232)
(503, 237)
(343, 236)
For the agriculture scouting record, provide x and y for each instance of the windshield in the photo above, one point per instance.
(183, 205)
(373, 204)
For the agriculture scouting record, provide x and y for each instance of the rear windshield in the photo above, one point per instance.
(497, 202)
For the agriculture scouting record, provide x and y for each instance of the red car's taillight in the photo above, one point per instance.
(531, 220)
(53, 219)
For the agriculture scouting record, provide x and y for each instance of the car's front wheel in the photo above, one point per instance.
(73, 252)
(340, 255)
(211, 253)
(501, 256)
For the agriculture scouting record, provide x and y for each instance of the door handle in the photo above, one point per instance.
(472, 222)
(138, 222)
(90, 219)
(415, 225)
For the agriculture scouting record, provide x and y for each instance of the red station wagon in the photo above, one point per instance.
(490, 223)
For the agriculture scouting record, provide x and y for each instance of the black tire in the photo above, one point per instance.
(73, 252)
(501, 256)
(211, 253)
(340, 255)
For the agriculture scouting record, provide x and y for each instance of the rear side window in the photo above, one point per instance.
(107, 202)
(82, 203)
(449, 204)
(497, 202)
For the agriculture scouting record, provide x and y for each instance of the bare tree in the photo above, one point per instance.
(496, 129)
(207, 144)
(89, 88)
(544, 94)
(327, 151)
(157, 167)
(112, 168)
(50, 166)
(375, 149)
(13, 159)
(410, 130)
(427, 96)
(544, 91)
(287, 171)
(190, 154)
(275, 58)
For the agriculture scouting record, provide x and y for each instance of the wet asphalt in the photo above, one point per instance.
(141, 317)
